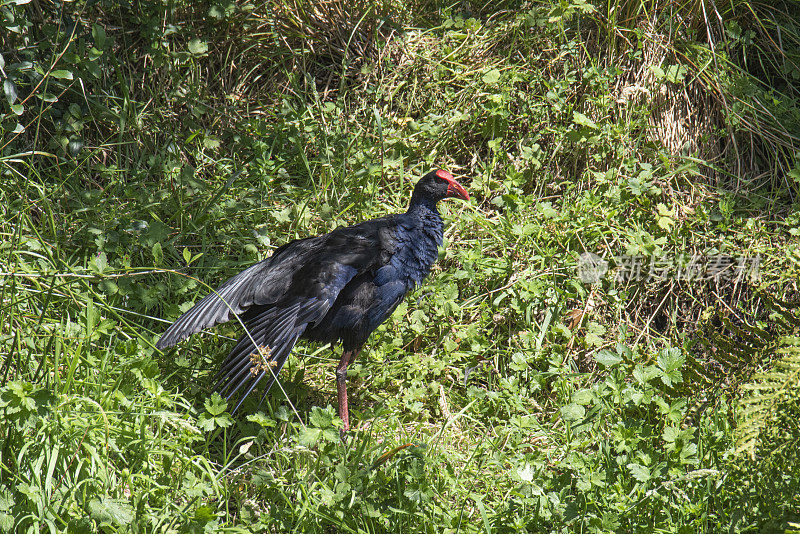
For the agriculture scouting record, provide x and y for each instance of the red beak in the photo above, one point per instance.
(455, 189)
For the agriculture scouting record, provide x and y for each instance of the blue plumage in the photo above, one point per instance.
(335, 287)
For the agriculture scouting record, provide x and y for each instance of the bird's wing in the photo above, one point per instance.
(315, 268)
(275, 330)
(279, 298)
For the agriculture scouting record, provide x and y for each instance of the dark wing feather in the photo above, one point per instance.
(261, 284)
(314, 267)
(280, 297)
(275, 328)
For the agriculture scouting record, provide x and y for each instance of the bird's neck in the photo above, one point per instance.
(424, 208)
(428, 223)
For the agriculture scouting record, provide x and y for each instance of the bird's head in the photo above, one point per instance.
(438, 185)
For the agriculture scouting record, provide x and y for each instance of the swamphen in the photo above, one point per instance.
(337, 286)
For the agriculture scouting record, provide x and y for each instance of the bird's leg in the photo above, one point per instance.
(341, 386)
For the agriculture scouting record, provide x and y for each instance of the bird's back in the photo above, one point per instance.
(404, 249)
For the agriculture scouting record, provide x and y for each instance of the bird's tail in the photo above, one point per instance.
(275, 332)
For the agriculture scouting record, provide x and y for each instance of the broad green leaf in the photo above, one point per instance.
(657, 71)
(6, 499)
(215, 415)
(111, 511)
(644, 374)
(309, 436)
(418, 321)
(320, 418)
(671, 359)
(331, 435)
(215, 404)
(209, 422)
(211, 143)
(6, 522)
(639, 472)
(583, 120)
(573, 412)
(204, 514)
(198, 47)
(10, 90)
(607, 358)
(583, 396)
(671, 433)
(526, 473)
(158, 254)
(61, 74)
(670, 362)
(491, 77)
(99, 264)
(99, 36)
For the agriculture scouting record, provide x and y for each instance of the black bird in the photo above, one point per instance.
(334, 287)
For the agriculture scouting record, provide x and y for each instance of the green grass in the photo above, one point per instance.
(148, 155)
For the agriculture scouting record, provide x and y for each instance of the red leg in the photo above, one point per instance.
(341, 386)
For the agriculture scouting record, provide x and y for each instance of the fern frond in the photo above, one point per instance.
(766, 393)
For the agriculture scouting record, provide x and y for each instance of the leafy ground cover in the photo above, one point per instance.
(150, 151)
